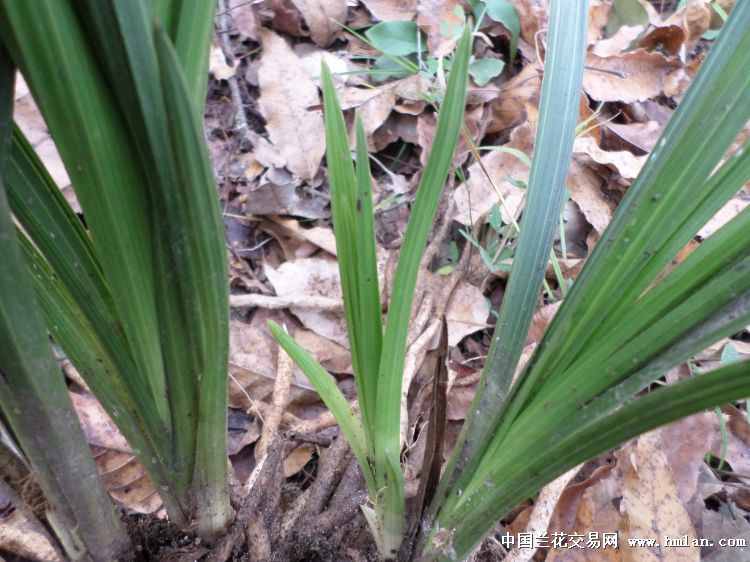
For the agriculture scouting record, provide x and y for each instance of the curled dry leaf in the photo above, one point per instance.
(286, 93)
(668, 40)
(590, 506)
(323, 17)
(586, 190)
(626, 164)
(641, 135)
(387, 10)
(320, 236)
(476, 196)
(619, 42)
(634, 76)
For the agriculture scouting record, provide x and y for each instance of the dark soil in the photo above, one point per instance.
(157, 539)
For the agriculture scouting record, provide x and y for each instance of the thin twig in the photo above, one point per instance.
(323, 304)
(281, 389)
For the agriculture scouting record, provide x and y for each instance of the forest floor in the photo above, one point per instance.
(265, 131)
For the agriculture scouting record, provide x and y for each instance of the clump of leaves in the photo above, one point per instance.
(621, 327)
(137, 297)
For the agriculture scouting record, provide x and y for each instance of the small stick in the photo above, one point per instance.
(323, 421)
(324, 304)
(281, 389)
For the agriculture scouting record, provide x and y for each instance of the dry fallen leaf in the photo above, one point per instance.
(312, 277)
(628, 165)
(586, 190)
(320, 236)
(726, 523)
(122, 474)
(589, 509)
(697, 18)
(245, 18)
(323, 17)
(509, 108)
(476, 196)
(29, 120)
(642, 135)
(252, 363)
(619, 42)
(19, 537)
(731, 209)
(386, 10)
(544, 506)
(634, 76)
(271, 198)
(217, 64)
(287, 19)
(331, 355)
(541, 319)
(297, 459)
(286, 93)
(126, 480)
(533, 16)
(467, 312)
(669, 40)
(652, 505)
(374, 105)
(441, 20)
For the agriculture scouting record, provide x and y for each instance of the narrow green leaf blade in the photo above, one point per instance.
(580, 439)
(33, 395)
(661, 200)
(87, 128)
(553, 149)
(388, 414)
(371, 336)
(197, 253)
(334, 400)
(343, 184)
(189, 24)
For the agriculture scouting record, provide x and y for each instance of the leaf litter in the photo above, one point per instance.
(265, 132)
